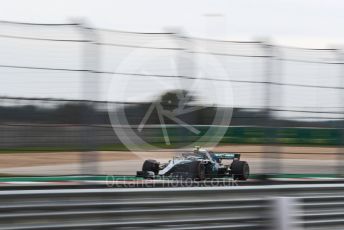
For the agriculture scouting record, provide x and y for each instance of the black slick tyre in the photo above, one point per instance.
(151, 165)
(240, 170)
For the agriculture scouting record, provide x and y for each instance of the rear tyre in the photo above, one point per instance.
(151, 165)
(200, 171)
(240, 170)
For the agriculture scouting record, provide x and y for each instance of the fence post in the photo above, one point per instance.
(185, 67)
(90, 94)
(283, 211)
(271, 153)
(340, 144)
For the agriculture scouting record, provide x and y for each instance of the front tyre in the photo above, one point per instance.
(151, 165)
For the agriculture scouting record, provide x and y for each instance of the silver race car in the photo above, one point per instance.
(200, 164)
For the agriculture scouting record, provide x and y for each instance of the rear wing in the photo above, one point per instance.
(227, 156)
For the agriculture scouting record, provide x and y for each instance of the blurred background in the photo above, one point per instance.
(255, 78)
(89, 90)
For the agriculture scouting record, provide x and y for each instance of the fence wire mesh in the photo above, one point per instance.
(58, 81)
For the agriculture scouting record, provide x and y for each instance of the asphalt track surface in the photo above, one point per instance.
(129, 167)
(296, 160)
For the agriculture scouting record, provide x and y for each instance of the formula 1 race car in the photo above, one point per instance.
(199, 164)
